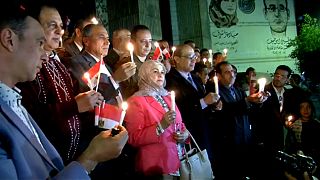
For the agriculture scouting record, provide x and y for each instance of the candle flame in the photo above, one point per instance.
(210, 51)
(130, 47)
(124, 106)
(225, 51)
(262, 81)
(290, 118)
(204, 60)
(173, 48)
(94, 20)
(87, 75)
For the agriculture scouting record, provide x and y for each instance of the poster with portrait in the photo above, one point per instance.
(255, 32)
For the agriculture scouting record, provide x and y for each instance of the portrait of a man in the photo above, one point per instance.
(277, 14)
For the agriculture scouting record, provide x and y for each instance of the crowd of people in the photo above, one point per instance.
(47, 116)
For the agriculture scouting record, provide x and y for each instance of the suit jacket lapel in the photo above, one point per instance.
(183, 80)
(89, 59)
(225, 94)
(26, 132)
(200, 88)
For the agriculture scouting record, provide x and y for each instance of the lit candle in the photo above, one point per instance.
(173, 101)
(87, 76)
(216, 84)
(225, 52)
(290, 117)
(123, 112)
(94, 20)
(173, 49)
(204, 60)
(262, 83)
(130, 48)
(210, 56)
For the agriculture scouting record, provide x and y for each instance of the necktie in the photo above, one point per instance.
(232, 92)
(191, 81)
(281, 102)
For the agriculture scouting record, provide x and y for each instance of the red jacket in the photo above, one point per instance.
(156, 154)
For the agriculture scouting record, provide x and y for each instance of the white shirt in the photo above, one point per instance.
(142, 59)
(13, 99)
(78, 46)
(280, 96)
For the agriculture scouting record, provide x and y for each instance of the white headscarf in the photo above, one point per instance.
(146, 86)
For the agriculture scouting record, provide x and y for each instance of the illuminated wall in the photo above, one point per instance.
(247, 34)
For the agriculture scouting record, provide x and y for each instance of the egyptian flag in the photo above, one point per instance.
(94, 73)
(157, 53)
(166, 53)
(107, 116)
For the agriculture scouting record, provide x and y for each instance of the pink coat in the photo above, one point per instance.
(156, 154)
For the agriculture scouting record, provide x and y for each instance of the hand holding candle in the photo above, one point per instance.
(289, 121)
(262, 82)
(130, 48)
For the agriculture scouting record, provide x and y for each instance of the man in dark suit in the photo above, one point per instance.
(142, 41)
(190, 95)
(233, 131)
(73, 46)
(25, 152)
(96, 44)
(272, 126)
(120, 39)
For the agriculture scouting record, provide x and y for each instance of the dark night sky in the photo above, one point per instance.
(75, 9)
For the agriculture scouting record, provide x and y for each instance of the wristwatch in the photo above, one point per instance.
(159, 129)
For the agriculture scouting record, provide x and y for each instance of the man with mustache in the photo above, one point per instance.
(277, 14)
(142, 41)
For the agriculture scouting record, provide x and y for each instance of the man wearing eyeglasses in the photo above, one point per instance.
(282, 103)
(190, 95)
(277, 14)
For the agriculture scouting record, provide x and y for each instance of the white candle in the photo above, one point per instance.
(173, 101)
(173, 49)
(225, 52)
(262, 83)
(210, 56)
(87, 76)
(123, 112)
(216, 84)
(130, 48)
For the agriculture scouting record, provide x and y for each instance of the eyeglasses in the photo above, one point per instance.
(281, 8)
(192, 57)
